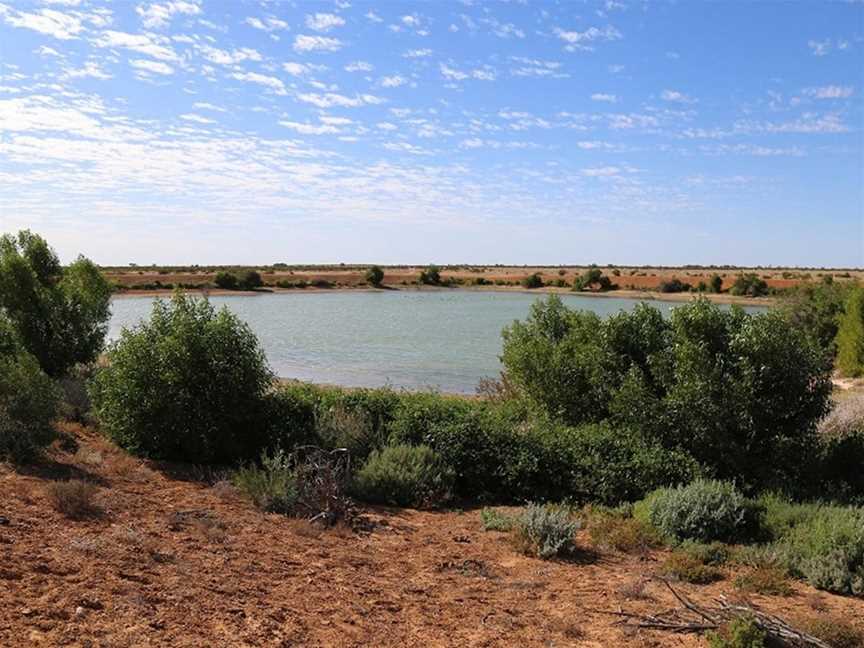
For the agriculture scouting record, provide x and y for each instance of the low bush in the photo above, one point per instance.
(769, 581)
(532, 281)
(226, 281)
(711, 553)
(674, 285)
(703, 510)
(742, 632)
(189, 384)
(272, 486)
(405, 475)
(749, 285)
(545, 531)
(609, 530)
(833, 630)
(73, 498)
(341, 427)
(431, 276)
(493, 520)
(28, 401)
(682, 566)
(374, 276)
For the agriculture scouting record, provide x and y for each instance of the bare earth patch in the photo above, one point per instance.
(181, 563)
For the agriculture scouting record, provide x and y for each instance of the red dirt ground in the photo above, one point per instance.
(175, 562)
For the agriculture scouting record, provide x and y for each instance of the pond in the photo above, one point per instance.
(445, 340)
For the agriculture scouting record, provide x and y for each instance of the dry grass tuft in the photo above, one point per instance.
(765, 580)
(834, 631)
(73, 498)
(684, 567)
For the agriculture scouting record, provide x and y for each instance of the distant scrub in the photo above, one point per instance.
(749, 285)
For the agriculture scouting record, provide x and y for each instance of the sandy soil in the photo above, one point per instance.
(175, 562)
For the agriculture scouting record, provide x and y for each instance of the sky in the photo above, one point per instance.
(619, 131)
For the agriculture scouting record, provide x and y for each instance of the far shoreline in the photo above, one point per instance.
(642, 295)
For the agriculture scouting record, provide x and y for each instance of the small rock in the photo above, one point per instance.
(4, 521)
(80, 612)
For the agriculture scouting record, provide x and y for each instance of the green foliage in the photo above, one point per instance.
(226, 281)
(532, 281)
(716, 284)
(493, 520)
(546, 531)
(431, 276)
(685, 567)
(850, 336)
(674, 285)
(272, 486)
(768, 581)
(742, 632)
(190, 384)
(352, 429)
(610, 530)
(833, 630)
(249, 280)
(702, 510)
(374, 275)
(59, 314)
(405, 475)
(738, 392)
(28, 400)
(708, 553)
(815, 309)
(593, 279)
(749, 285)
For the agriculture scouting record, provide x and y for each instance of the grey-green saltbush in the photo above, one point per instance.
(405, 475)
(546, 531)
(703, 510)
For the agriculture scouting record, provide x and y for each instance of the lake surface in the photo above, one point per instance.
(445, 340)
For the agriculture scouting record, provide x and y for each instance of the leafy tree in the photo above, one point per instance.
(749, 285)
(674, 285)
(374, 276)
(60, 314)
(850, 336)
(431, 276)
(28, 399)
(226, 281)
(716, 284)
(250, 280)
(190, 384)
(591, 278)
(532, 281)
(816, 310)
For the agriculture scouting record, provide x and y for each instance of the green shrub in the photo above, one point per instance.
(742, 632)
(341, 427)
(850, 336)
(405, 475)
(374, 276)
(431, 276)
(621, 533)
(272, 486)
(28, 401)
(190, 385)
(710, 553)
(226, 281)
(60, 315)
(768, 581)
(545, 531)
(674, 285)
(249, 280)
(493, 520)
(685, 567)
(749, 285)
(816, 310)
(532, 281)
(702, 510)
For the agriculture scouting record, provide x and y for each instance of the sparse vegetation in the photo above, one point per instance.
(493, 520)
(431, 276)
(742, 632)
(769, 581)
(271, 486)
(680, 565)
(73, 498)
(545, 531)
(532, 281)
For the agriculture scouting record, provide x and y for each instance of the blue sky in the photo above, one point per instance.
(204, 131)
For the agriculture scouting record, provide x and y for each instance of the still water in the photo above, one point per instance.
(445, 340)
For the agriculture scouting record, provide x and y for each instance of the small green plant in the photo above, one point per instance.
(703, 510)
(493, 520)
(684, 567)
(545, 531)
(405, 475)
(769, 581)
(712, 553)
(272, 486)
(742, 632)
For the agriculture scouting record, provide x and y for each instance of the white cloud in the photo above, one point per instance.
(159, 15)
(305, 43)
(676, 97)
(600, 96)
(225, 57)
(261, 79)
(198, 119)
(46, 21)
(359, 66)
(268, 24)
(152, 66)
(393, 81)
(330, 99)
(502, 30)
(203, 105)
(373, 17)
(411, 21)
(580, 40)
(296, 69)
(336, 121)
(324, 22)
(417, 53)
(310, 129)
(601, 172)
(829, 92)
(481, 74)
(90, 69)
(137, 43)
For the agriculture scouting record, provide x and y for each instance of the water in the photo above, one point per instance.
(445, 340)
